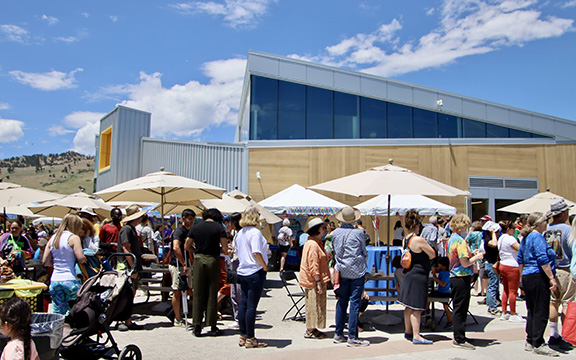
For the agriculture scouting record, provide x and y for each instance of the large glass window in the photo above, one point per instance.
(473, 128)
(372, 118)
(346, 116)
(449, 126)
(291, 111)
(495, 131)
(399, 121)
(425, 124)
(319, 105)
(263, 108)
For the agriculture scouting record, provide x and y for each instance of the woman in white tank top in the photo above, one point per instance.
(65, 249)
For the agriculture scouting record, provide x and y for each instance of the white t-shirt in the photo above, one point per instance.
(508, 256)
(284, 235)
(248, 241)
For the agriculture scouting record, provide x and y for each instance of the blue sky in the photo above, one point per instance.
(64, 64)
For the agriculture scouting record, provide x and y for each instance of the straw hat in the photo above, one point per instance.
(133, 212)
(348, 215)
(313, 223)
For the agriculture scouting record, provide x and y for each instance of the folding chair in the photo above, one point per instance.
(295, 297)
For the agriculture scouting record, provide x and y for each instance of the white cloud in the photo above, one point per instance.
(67, 40)
(58, 130)
(236, 13)
(186, 110)
(571, 3)
(10, 130)
(79, 119)
(114, 18)
(53, 80)
(85, 14)
(14, 33)
(4, 106)
(83, 142)
(51, 20)
(467, 27)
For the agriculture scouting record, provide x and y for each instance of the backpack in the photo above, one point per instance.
(406, 260)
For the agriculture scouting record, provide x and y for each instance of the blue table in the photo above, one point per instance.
(377, 262)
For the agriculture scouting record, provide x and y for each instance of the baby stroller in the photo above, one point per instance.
(102, 299)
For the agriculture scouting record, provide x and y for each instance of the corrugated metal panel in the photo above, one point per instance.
(223, 165)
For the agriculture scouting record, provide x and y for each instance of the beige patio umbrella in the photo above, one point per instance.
(264, 213)
(539, 202)
(72, 203)
(162, 187)
(14, 197)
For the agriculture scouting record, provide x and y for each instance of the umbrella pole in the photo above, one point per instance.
(162, 222)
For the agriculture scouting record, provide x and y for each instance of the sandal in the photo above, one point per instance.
(242, 341)
(254, 343)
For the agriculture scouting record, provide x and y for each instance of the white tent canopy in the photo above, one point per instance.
(400, 204)
(297, 200)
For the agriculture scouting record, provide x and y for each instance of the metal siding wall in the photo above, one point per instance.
(220, 165)
(133, 125)
(107, 178)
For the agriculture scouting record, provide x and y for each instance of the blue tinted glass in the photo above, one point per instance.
(448, 126)
(346, 116)
(539, 136)
(495, 131)
(425, 124)
(519, 134)
(291, 111)
(319, 124)
(263, 108)
(399, 121)
(373, 118)
(473, 128)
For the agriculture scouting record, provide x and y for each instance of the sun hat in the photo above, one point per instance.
(348, 215)
(286, 222)
(313, 223)
(87, 210)
(133, 212)
(558, 207)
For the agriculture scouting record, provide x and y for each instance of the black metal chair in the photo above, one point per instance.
(295, 296)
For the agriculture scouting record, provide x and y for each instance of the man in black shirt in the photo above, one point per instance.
(178, 265)
(204, 240)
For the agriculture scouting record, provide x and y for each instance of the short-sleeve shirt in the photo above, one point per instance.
(286, 232)
(444, 276)
(14, 349)
(206, 236)
(566, 249)
(128, 235)
(109, 234)
(508, 256)
(179, 234)
(249, 241)
(474, 240)
(458, 248)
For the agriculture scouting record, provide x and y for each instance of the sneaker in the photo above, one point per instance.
(528, 346)
(463, 346)
(559, 343)
(339, 339)
(123, 327)
(545, 350)
(517, 319)
(358, 343)
(482, 302)
(494, 312)
(408, 337)
(506, 316)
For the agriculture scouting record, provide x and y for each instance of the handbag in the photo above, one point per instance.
(406, 261)
(496, 267)
(569, 324)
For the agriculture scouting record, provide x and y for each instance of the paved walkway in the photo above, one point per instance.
(497, 339)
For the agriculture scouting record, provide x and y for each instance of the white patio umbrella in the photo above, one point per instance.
(162, 187)
(264, 213)
(400, 204)
(72, 203)
(539, 202)
(13, 197)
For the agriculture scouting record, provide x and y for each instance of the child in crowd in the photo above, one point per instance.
(441, 276)
(15, 316)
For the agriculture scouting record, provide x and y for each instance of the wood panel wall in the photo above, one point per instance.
(553, 165)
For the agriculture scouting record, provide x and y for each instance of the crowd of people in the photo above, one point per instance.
(220, 256)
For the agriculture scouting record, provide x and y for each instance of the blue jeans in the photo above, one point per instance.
(493, 282)
(350, 291)
(251, 286)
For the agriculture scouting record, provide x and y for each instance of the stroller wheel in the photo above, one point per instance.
(130, 352)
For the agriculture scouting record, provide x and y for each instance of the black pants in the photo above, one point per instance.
(460, 294)
(537, 289)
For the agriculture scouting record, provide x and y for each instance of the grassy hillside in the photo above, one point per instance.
(63, 173)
